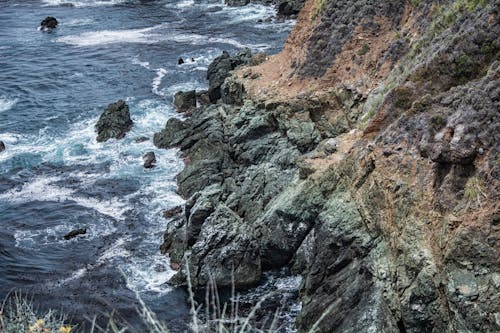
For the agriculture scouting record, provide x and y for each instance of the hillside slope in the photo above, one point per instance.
(365, 157)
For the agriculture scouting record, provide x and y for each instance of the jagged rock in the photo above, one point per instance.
(232, 92)
(202, 97)
(185, 100)
(149, 160)
(74, 233)
(236, 3)
(180, 61)
(169, 213)
(2, 146)
(49, 23)
(290, 7)
(393, 230)
(219, 69)
(115, 122)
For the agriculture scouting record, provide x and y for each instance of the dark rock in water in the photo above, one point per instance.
(219, 70)
(141, 139)
(115, 122)
(74, 233)
(2, 146)
(149, 160)
(290, 7)
(236, 3)
(180, 61)
(185, 101)
(169, 213)
(49, 23)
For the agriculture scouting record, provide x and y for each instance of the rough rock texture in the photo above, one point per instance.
(149, 160)
(219, 70)
(114, 122)
(185, 100)
(379, 184)
(285, 7)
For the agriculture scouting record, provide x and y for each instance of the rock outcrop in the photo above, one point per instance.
(75, 233)
(285, 8)
(114, 122)
(149, 160)
(49, 23)
(185, 100)
(365, 158)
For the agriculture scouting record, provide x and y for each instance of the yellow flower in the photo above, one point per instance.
(65, 329)
(38, 326)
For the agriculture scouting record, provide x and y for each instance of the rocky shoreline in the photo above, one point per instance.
(378, 185)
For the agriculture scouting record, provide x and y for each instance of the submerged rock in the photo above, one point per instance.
(74, 233)
(2, 146)
(180, 61)
(49, 23)
(115, 122)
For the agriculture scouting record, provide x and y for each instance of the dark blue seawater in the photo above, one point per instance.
(55, 177)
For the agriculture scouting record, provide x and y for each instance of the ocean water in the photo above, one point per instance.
(55, 177)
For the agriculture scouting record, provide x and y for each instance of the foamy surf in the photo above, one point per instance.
(155, 86)
(6, 104)
(82, 3)
(104, 37)
(43, 189)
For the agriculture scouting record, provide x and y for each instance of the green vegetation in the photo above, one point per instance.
(319, 5)
(474, 190)
(437, 122)
(364, 50)
(446, 15)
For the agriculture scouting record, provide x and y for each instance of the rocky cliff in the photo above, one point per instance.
(365, 157)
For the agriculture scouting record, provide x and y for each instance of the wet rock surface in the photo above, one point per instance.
(114, 122)
(149, 160)
(185, 100)
(384, 200)
(2, 146)
(49, 23)
(75, 233)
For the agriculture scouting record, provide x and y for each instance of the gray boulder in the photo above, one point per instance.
(185, 100)
(115, 122)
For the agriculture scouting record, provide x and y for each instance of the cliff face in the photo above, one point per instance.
(365, 157)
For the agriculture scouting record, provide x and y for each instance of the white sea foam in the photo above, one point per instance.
(82, 3)
(43, 189)
(78, 22)
(6, 103)
(160, 74)
(103, 37)
(144, 64)
(185, 3)
(149, 274)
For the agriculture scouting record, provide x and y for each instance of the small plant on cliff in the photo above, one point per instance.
(364, 50)
(319, 5)
(474, 191)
